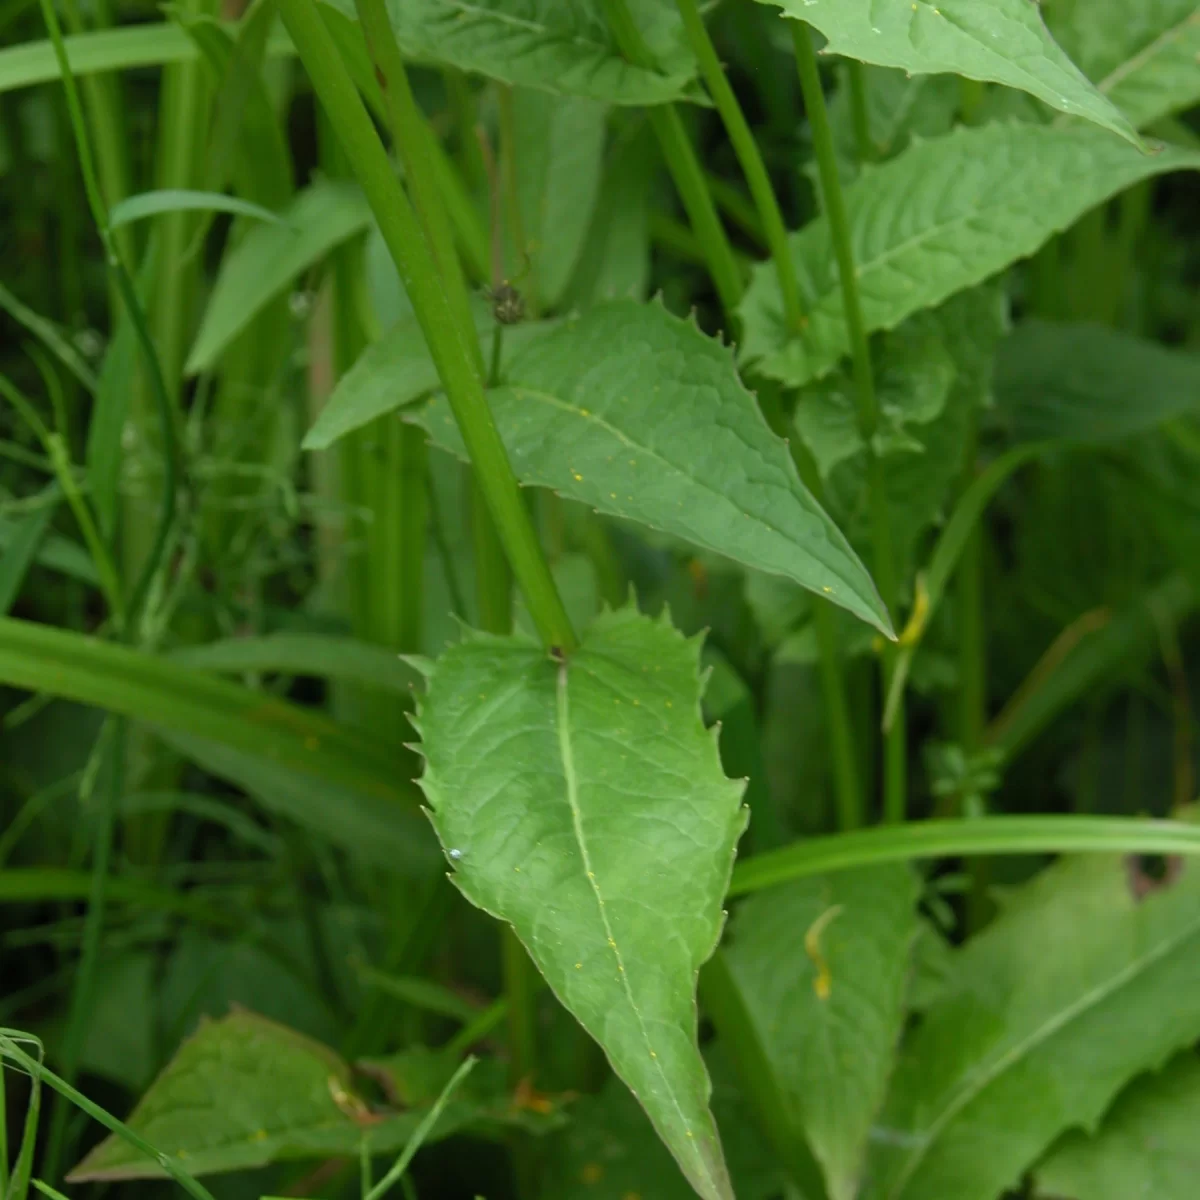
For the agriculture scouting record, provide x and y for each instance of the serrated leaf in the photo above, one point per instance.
(1141, 54)
(269, 257)
(610, 1152)
(583, 802)
(560, 155)
(1146, 1146)
(1088, 383)
(637, 414)
(943, 216)
(244, 1091)
(1001, 41)
(823, 964)
(1028, 1041)
(397, 370)
(546, 44)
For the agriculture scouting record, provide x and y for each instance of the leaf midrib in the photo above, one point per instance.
(1032, 1041)
(1147, 54)
(571, 779)
(590, 417)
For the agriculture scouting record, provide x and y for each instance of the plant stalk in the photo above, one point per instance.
(753, 167)
(685, 168)
(895, 750)
(453, 355)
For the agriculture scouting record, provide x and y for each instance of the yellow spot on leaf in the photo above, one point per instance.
(576, 476)
(592, 1173)
(260, 1135)
(311, 743)
(579, 966)
(823, 982)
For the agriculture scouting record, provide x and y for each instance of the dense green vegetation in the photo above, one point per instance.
(735, 466)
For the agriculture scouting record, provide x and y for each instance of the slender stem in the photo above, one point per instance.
(129, 297)
(972, 640)
(112, 747)
(859, 113)
(746, 149)
(685, 168)
(895, 755)
(453, 355)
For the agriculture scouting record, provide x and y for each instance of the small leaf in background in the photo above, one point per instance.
(19, 549)
(665, 434)
(943, 216)
(1140, 53)
(1077, 987)
(1002, 41)
(559, 164)
(1145, 1147)
(153, 204)
(270, 257)
(583, 802)
(823, 965)
(244, 1092)
(546, 44)
(1088, 383)
(609, 1150)
(396, 371)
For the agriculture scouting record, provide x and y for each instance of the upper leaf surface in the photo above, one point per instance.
(548, 44)
(1027, 1041)
(584, 803)
(638, 414)
(1146, 1146)
(943, 216)
(823, 965)
(1004, 41)
(1142, 54)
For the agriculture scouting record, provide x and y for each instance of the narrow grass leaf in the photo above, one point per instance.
(55, 553)
(943, 216)
(270, 257)
(583, 803)
(545, 44)
(51, 336)
(823, 964)
(331, 779)
(1146, 1145)
(961, 839)
(21, 549)
(1091, 384)
(666, 435)
(1027, 1042)
(1141, 55)
(1001, 41)
(153, 204)
(123, 49)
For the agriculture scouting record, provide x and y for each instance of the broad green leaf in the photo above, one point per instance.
(333, 780)
(943, 216)
(1146, 1146)
(1077, 987)
(823, 965)
(1002, 41)
(121, 49)
(609, 1150)
(270, 257)
(1088, 383)
(396, 371)
(560, 156)
(583, 803)
(153, 204)
(637, 414)
(546, 44)
(1141, 54)
(244, 1091)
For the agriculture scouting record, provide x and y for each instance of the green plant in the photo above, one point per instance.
(451, 369)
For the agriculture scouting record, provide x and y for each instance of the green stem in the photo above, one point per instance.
(895, 754)
(746, 149)
(454, 356)
(859, 113)
(685, 168)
